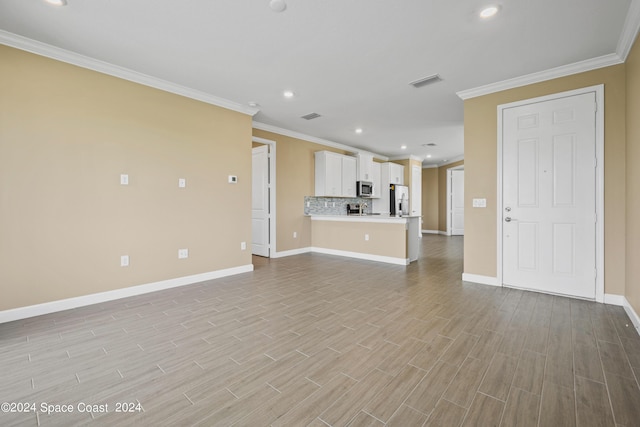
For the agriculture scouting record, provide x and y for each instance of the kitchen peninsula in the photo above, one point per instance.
(382, 238)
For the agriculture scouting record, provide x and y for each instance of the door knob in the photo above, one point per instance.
(507, 219)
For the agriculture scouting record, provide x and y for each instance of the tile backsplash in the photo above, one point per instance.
(333, 205)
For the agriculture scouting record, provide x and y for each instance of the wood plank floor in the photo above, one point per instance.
(320, 340)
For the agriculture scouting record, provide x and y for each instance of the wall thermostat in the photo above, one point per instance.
(233, 179)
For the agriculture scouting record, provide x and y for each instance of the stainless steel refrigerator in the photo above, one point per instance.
(398, 200)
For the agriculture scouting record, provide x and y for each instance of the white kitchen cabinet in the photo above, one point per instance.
(365, 167)
(335, 175)
(349, 170)
(396, 174)
(375, 179)
(328, 174)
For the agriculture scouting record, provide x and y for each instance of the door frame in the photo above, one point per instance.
(272, 191)
(599, 184)
(449, 190)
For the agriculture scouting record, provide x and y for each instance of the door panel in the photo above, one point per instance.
(260, 201)
(549, 188)
(457, 202)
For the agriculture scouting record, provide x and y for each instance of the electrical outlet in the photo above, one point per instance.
(182, 183)
(295, 234)
(124, 179)
(183, 253)
(334, 204)
(124, 261)
(308, 204)
(243, 246)
(326, 204)
(366, 237)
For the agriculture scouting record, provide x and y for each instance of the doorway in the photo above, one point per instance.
(550, 190)
(263, 193)
(455, 201)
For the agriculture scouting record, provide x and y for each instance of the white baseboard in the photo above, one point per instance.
(69, 303)
(614, 299)
(358, 255)
(291, 252)
(483, 280)
(621, 300)
(635, 319)
(431, 231)
(444, 233)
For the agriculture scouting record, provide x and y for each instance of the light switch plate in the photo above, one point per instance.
(479, 203)
(124, 261)
(233, 179)
(183, 253)
(124, 179)
(182, 182)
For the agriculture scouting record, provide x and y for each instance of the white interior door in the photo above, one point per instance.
(260, 201)
(416, 195)
(549, 196)
(457, 202)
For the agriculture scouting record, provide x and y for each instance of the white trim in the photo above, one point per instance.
(358, 255)
(599, 94)
(431, 232)
(429, 166)
(309, 138)
(449, 177)
(272, 192)
(291, 252)
(69, 303)
(635, 319)
(444, 233)
(629, 30)
(553, 73)
(483, 280)
(63, 55)
(380, 219)
(614, 299)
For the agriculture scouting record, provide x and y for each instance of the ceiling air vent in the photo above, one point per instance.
(311, 116)
(431, 144)
(426, 80)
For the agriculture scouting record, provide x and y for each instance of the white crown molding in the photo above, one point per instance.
(629, 30)
(429, 166)
(63, 55)
(553, 73)
(298, 135)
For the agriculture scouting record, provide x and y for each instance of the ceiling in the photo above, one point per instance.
(349, 61)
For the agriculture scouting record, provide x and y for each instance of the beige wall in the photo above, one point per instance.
(66, 135)
(295, 166)
(384, 239)
(430, 201)
(480, 135)
(632, 290)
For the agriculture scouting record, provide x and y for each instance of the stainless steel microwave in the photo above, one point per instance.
(365, 189)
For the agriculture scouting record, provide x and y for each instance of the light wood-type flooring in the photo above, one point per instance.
(321, 340)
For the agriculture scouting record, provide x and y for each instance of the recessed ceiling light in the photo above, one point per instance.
(489, 11)
(288, 94)
(428, 156)
(404, 147)
(277, 5)
(57, 2)
(359, 130)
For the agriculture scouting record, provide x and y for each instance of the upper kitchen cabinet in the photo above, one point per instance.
(365, 167)
(328, 174)
(335, 175)
(375, 178)
(349, 176)
(392, 173)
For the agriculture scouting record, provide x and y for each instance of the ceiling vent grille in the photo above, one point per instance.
(311, 116)
(426, 80)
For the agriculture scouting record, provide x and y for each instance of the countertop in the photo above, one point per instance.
(363, 218)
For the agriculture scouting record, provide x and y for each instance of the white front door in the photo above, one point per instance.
(549, 196)
(457, 202)
(260, 201)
